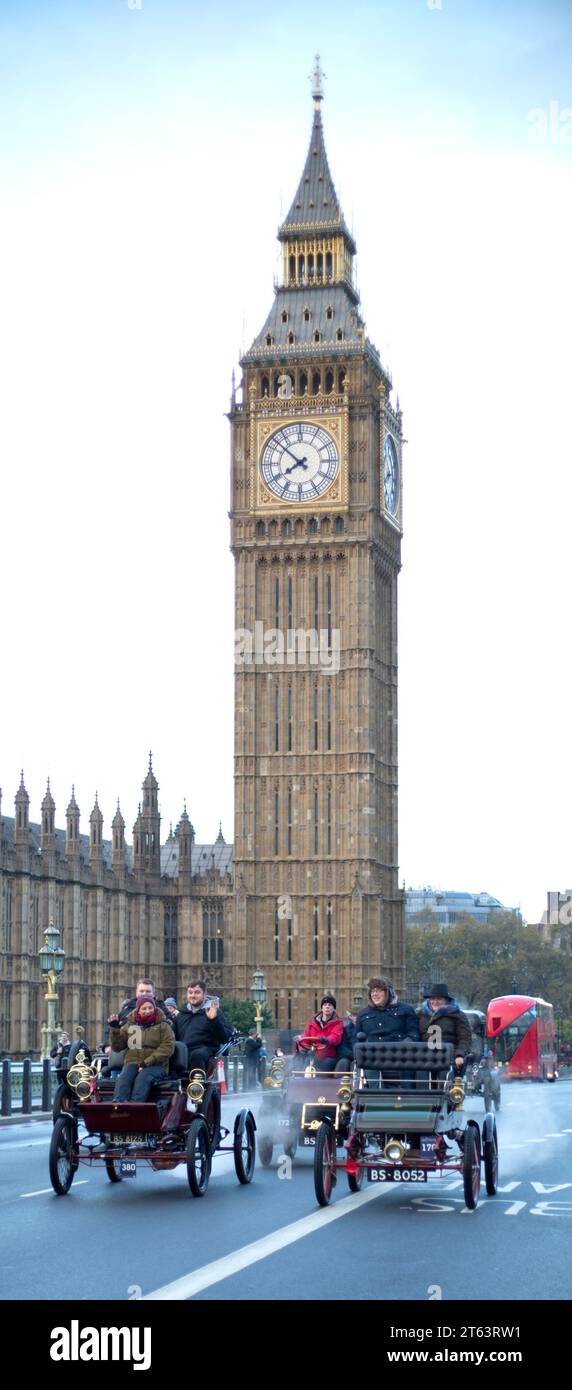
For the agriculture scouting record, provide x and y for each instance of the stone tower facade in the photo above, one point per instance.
(316, 497)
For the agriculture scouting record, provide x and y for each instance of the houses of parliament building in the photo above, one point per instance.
(309, 891)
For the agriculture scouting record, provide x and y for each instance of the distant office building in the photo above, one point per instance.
(448, 907)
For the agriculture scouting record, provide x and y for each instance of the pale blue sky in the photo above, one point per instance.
(143, 160)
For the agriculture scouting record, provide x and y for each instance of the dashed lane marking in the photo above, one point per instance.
(43, 1190)
(204, 1278)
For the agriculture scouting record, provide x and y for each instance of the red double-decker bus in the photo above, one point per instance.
(522, 1037)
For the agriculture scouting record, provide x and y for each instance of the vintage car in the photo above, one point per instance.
(181, 1123)
(296, 1098)
(402, 1117)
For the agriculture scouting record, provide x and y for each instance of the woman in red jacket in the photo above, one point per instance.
(328, 1030)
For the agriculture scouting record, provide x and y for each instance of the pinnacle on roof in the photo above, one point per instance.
(220, 840)
(150, 780)
(73, 806)
(118, 820)
(48, 803)
(316, 202)
(21, 794)
(96, 813)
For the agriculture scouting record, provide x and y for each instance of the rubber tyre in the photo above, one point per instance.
(199, 1157)
(244, 1149)
(471, 1168)
(491, 1157)
(62, 1166)
(210, 1111)
(265, 1151)
(324, 1160)
(290, 1147)
(63, 1101)
(355, 1180)
(111, 1170)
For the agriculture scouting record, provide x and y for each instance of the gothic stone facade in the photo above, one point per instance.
(163, 912)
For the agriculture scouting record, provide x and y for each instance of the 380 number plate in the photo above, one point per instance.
(396, 1175)
(127, 1168)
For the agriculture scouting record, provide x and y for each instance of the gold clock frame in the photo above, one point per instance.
(266, 416)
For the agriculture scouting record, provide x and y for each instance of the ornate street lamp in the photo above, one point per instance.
(259, 992)
(52, 960)
(358, 1001)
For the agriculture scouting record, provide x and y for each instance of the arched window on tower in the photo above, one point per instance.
(284, 316)
(303, 383)
(317, 335)
(316, 383)
(328, 265)
(260, 530)
(170, 934)
(320, 265)
(341, 379)
(329, 312)
(291, 338)
(307, 315)
(301, 269)
(292, 267)
(329, 382)
(265, 386)
(310, 267)
(213, 931)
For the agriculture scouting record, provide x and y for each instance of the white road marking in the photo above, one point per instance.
(550, 1187)
(204, 1278)
(42, 1190)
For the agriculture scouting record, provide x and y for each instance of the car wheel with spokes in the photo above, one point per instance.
(62, 1163)
(244, 1149)
(265, 1151)
(198, 1157)
(112, 1168)
(471, 1167)
(324, 1163)
(491, 1157)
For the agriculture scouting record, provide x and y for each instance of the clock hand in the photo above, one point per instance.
(289, 451)
(300, 463)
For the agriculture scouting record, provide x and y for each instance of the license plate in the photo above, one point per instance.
(396, 1175)
(308, 1140)
(127, 1167)
(427, 1145)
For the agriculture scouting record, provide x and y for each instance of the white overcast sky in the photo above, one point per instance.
(147, 155)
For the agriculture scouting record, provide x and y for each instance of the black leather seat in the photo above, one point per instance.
(408, 1059)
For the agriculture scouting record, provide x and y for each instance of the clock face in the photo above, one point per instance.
(299, 462)
(390, 475)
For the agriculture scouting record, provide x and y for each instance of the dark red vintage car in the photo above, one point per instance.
(180, 1124)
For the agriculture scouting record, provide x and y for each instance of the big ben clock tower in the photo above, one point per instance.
(316, 497)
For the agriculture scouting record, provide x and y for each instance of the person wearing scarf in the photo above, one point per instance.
(149, 1043)
(328, 1030)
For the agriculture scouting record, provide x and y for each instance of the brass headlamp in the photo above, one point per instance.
(344, 1094)
(81, 1076)
(196, 1086)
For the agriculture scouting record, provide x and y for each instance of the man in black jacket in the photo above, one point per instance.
(384, 1019)
(200, 1025)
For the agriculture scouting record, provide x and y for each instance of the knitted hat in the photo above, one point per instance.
(147, 1018)
(328, 999)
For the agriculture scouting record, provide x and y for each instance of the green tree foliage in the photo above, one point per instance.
(479, 961)
(241, 1013)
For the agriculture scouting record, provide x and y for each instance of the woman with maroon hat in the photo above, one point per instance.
(328, 1030)
(149, 1042)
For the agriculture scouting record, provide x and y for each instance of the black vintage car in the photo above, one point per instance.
(402, 1117)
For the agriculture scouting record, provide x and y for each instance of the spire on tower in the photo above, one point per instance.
(317, 78)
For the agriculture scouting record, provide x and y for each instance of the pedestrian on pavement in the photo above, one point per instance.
(149, 1043)
(328, 1030)
(60, 1052)
(252, 1048)
(201, 1025)
(441, 1010)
